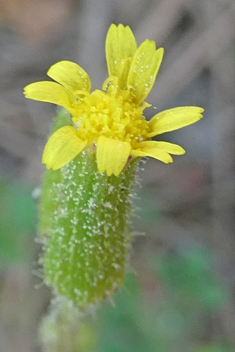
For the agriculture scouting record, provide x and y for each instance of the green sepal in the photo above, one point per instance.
(87, 219)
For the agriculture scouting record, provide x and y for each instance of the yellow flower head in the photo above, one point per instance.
(111, 120)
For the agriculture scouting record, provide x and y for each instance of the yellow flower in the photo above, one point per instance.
(111, 120)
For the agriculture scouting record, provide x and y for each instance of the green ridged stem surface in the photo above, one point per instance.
(86, 218)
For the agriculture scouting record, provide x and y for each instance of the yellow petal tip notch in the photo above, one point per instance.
(112, 155)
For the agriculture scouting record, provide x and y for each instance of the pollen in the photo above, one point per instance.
(113, 116)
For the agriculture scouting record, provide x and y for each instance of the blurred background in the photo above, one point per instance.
(182, 295)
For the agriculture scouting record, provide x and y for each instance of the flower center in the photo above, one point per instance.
(113, 115)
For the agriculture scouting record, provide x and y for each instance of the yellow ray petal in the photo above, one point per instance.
(50, 92)
(70, 75)
(152, 151)
(143, 71)
(120, 45)
(173, 119)
(62, 147)
(170, 148)
(111, 155)
(123, 73)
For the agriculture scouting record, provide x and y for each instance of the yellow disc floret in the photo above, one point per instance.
(117, 117)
